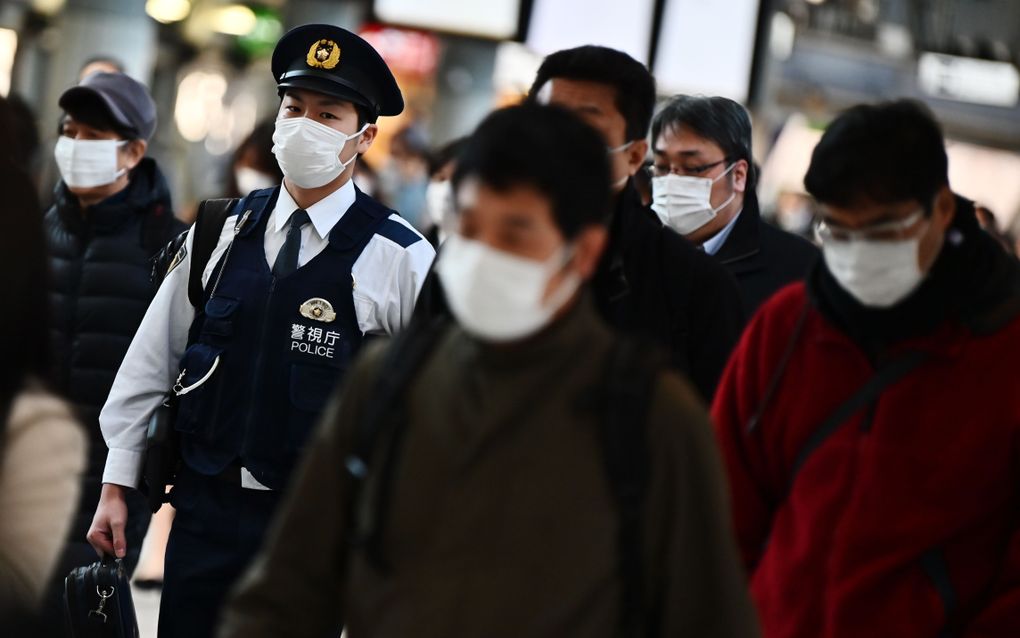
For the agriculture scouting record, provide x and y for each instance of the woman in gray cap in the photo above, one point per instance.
(112, 212)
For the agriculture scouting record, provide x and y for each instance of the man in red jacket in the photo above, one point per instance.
(870, 417)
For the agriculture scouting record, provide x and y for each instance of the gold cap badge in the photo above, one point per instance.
(323, 54)
(318, 310)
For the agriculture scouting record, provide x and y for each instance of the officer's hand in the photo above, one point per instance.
(107, 532)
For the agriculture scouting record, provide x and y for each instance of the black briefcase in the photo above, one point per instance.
(97, 601)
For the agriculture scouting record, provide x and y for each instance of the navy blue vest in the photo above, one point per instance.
(276, 365)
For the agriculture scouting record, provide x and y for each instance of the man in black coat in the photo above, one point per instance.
(650, 282)
(703, 187)
(112, 213)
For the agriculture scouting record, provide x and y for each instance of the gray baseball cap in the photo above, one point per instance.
(127, 101)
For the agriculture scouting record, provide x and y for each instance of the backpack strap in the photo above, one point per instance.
(630, 382)
(212, 214)
(884, 377)
(385, 414)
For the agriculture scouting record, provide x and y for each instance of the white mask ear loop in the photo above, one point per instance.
(349, 138)
(733, 191)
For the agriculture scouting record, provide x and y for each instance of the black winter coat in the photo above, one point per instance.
(762, 257)
(654, 284)
(100, 288)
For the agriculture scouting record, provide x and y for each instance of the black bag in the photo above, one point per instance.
(97, 601)
(162, 452)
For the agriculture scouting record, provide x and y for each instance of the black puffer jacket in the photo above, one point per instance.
(99, 288)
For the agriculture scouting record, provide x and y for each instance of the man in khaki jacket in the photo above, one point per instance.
(495, 508)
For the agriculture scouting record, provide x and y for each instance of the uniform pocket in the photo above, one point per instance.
(310, 388)
(219, 317)
(201, 383)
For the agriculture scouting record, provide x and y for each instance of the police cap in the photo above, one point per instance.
(327, 59)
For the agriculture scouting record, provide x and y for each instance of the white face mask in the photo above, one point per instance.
(877, 273)
(309, 152)
(684, 203)
(496, 296)
(88, 163)
(250, 180)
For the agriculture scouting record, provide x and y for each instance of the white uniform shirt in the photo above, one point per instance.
(388, 278)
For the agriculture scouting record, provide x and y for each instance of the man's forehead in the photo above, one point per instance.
(322, 99)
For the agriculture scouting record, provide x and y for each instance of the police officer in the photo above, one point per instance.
(301, 275)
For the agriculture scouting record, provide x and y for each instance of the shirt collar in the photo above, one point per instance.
(713, 245)
(324, 213)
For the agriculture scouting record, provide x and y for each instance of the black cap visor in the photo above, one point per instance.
(80, 101)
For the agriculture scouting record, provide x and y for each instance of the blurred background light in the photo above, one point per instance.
(167, 11)
(48, 7)
(234, 19)
(8, 47)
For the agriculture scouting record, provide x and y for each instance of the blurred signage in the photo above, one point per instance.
(707, 47)
(407, 52)
(495, 19)
(969, 80)
(564, 24)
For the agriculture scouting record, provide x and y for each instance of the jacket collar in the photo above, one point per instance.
(146, 190)
(744, 241)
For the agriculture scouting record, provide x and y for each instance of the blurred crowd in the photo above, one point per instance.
(560, 377)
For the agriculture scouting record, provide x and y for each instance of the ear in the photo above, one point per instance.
(134, 152)
(367, 138)
(740, 171)
(944, 208)
(588, 247)
(636, 154)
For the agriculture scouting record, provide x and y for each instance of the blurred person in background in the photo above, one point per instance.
(42, 448)
(503, 513)
(650, 281)
(870, 416)
(300, 276)
(112, 214)
(794, 213)
(404, 178)
(100, 64)
(704, 188)
(442, 213)
(253, 166)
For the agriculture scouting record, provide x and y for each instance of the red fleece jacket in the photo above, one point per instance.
(904, 521)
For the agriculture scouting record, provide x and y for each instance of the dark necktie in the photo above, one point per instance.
(287, 260)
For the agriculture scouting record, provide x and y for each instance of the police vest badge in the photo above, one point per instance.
(323, 54)
(318, 310)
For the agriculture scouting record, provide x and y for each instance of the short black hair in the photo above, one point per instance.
(93, 112)
(633, 83)
(882, 153)
(546, 148)
(719, 119)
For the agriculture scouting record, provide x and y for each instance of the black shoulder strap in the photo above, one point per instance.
(784, 362)
(629, 386)
(212, 214)
(385, 414)
(884, 377)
